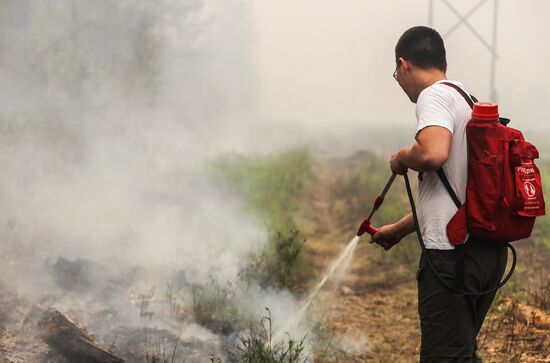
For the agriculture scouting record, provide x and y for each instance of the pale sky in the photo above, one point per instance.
(330, 62)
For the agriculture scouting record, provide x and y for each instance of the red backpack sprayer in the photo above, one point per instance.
(503, 194)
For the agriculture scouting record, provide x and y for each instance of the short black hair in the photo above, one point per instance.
(423, 47)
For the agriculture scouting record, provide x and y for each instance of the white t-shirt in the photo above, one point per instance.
(442, 105)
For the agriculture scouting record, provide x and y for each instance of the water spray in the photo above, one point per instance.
(341, 261)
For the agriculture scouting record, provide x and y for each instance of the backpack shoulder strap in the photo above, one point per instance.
(470, 99)
(448, 186)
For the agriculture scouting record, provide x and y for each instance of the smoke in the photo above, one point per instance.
(329, 65)
(112, 112)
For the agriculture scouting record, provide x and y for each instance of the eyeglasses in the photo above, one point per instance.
(394, 75)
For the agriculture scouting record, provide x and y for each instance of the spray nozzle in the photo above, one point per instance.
(366, 226)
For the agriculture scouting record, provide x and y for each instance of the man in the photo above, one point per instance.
(449, 322)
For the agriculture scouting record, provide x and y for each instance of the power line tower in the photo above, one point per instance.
(463, 20)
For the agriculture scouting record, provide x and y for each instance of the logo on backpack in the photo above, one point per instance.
(530, 189)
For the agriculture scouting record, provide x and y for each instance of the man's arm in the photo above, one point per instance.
(430, 152)
(391, 234)
(406, 225)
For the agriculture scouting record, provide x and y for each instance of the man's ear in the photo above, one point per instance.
(405, 64)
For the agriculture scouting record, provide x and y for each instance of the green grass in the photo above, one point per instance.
(258, 346)
(271, 187)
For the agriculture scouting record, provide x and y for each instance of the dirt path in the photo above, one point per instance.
(378, 320)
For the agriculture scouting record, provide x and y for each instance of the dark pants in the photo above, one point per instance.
(449, 323)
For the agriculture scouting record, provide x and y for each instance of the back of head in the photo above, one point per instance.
(423, 47)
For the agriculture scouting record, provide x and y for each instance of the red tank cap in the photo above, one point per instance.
(485, 111)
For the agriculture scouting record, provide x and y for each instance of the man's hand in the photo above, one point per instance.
(387, 236)
(395, 164)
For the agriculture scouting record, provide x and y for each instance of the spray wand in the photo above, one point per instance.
(366, 226)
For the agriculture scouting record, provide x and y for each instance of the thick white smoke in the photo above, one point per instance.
(111, 113)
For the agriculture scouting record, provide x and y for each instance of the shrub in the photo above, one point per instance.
(271, 188)
(214, 307)
(281, 265)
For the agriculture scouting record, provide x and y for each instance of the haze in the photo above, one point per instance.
(330, 63)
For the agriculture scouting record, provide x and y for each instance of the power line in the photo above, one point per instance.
(463, 20)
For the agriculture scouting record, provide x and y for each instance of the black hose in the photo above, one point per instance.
(421, 241)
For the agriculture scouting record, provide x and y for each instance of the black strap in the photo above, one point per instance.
(447, 185)
(469, 98)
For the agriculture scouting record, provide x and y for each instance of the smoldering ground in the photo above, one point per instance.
(112, 113)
